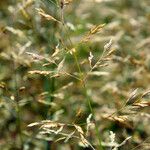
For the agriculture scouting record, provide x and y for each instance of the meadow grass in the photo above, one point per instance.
(74, 74)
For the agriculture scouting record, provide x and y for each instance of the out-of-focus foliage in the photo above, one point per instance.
(74, 72)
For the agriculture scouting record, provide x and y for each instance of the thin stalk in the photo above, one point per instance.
(18, 121)
(89, 101)
(50, 82)
(84, 88)
(52, 89)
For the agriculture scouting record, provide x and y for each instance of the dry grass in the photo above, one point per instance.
(74, 74)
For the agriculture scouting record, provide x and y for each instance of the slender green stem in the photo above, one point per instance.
(89, 101)
(18, 121)
(51, 90)
(85, 91)
(49, 84)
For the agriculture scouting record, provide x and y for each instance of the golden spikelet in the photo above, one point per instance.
(46, 16)
(40, 72)
(92, 31)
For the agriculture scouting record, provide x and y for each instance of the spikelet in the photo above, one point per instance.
(66, 86)
(57, 50)
(40, 72)
(90, 58)
(79, 129)
(60, 65)
(35, 56)
(51, 125)
(34, 124)
(94, 30)
(15, 31)
(134, 97)
(89, 123)
(142, 104)
(108, 45)
(69, 136)
(123, 120)
(46, 16)
(146, 94)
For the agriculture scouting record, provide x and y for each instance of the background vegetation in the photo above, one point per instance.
(74, 74)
